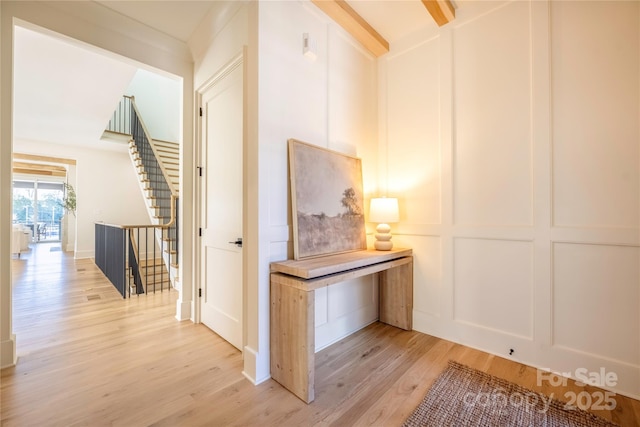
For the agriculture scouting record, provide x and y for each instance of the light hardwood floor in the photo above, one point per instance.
(89, 358)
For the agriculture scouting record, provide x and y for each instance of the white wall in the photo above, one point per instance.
(220, 38)
(158, 98)
(106, 185)
(330, 102)
(513, 140)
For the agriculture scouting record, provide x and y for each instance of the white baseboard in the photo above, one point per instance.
(251, 368)
(183, 310)
(85, 254)
(8, 355)
(250, 356)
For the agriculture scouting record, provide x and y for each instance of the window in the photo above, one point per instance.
(38, 205)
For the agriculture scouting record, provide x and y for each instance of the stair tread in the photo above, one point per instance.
(144, 264)
(165, 143)
(165, 149)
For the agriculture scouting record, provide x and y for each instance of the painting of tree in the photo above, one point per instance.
(350, 202)
(327, 201)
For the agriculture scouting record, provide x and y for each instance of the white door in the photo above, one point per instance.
(221, 202)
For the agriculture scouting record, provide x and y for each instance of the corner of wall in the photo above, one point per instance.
(8, 356)
(253, 369)
(183, 309)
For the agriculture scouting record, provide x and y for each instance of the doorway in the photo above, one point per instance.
(159, 54)
(221, 202)
(37, 206)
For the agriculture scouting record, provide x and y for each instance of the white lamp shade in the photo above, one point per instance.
(384, 210)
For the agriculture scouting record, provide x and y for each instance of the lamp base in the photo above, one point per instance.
(383, 238)
(382, 245)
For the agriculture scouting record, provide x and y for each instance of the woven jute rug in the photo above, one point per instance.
(463, 396)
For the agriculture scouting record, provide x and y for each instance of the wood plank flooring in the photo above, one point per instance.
(89, 358)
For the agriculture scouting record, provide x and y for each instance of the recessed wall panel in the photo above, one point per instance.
(352, 295)
(493, 282)
(321, 307)
(596, 300)
(352, 104)
(427, 271)
(345, 307)
(595, 77)
(412, 155)
(292, 99)
(492, 118)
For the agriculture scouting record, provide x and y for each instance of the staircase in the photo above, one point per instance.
(168, 155)
(153, 277)
(152, 261)
(157, 202)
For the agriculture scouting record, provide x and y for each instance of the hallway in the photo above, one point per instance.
(88, 357)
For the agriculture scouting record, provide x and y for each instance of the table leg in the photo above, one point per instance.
(396, 296)
(293, 339)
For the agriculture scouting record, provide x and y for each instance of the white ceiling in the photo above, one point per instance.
(394, 19)
(176, 18)
(63, 92)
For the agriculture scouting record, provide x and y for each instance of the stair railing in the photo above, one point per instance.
(126, 120)
(132, 257)
(120, 121)
(158, 185)
(147, 150)
(158, 180)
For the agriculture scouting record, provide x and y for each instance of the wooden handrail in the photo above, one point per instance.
(163, 226)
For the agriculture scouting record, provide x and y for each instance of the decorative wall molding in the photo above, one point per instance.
(537, 226)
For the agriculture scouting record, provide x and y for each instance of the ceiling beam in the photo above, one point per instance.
(27, 169)
(347, 18)
(48, 159)
(441, 11)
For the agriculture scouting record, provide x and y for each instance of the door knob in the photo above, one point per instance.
(238, 242)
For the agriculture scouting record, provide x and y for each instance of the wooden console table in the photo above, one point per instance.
(293, 306)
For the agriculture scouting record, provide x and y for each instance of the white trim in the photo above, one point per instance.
(237, 61)
(8, 352)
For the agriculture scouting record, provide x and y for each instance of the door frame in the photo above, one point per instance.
(239, 60)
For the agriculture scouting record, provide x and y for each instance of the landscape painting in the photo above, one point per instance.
(327, 200)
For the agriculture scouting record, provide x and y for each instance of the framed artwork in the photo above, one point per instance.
(327, 201)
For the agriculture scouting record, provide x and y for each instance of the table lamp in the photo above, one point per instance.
(383, 210)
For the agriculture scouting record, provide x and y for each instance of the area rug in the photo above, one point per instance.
(463, 396)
